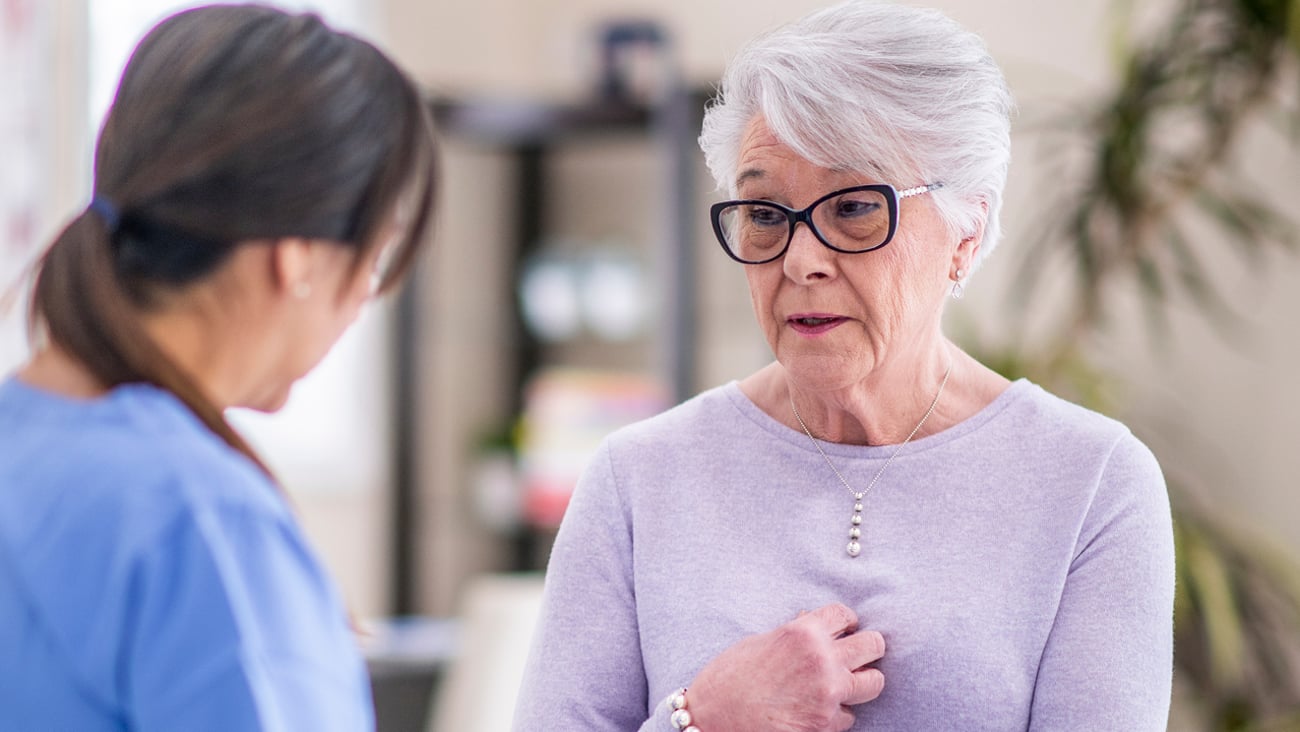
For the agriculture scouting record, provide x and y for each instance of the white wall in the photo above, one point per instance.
(61, 178)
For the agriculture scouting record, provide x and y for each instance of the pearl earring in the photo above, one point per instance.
(302, 290)
(958, 290)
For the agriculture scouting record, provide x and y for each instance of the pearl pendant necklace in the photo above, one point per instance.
(854, 547)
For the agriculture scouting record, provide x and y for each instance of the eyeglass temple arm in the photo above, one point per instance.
(919, 190)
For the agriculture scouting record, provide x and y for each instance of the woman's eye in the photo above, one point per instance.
(764, 216)
(850, 207)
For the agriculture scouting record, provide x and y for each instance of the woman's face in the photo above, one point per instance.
(831, 318)
(338, 291)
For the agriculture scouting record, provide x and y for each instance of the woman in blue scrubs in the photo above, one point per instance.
(258, 179)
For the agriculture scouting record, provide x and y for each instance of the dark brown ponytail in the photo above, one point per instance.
(82, 308)
(231, 123)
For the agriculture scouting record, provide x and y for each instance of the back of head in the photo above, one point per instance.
(240, 122)
(231, 123)
(899, 93)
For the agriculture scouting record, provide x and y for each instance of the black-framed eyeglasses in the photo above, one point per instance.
(850, 220)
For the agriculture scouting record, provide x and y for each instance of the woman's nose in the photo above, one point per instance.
(807, 259)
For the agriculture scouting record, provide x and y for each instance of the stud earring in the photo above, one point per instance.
(302, 290)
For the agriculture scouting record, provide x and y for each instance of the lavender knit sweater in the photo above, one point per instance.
(1019, 564)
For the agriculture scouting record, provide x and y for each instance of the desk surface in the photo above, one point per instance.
(406, 645)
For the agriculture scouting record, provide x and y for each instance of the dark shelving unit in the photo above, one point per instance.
(531, 134)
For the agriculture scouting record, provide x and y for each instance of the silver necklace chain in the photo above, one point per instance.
(854, 547)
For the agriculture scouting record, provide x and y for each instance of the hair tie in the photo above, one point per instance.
(107, 211)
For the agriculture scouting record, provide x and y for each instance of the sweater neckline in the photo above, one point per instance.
(1015, 392)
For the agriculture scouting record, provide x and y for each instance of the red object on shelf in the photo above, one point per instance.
(567, 412)
(545, 504)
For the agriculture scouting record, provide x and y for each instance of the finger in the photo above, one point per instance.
(843, 719)
(860, 649)
(865, 686)
(836, 619)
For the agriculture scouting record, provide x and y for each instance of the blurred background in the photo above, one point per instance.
(1148, 270)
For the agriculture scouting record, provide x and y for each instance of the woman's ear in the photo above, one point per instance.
(968, 249)
(291, 266)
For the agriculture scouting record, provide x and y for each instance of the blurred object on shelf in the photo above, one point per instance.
(548, 293)
(494, 483)
(634, 62)
(601, 291)
(614, 296)
(567, 412)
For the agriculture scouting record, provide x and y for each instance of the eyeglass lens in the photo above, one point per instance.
(853, 221)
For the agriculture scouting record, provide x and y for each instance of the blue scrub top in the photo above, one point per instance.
(152, 578)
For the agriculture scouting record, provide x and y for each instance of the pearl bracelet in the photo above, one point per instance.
(680, 718)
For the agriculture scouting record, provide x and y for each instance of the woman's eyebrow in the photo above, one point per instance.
(749, 174)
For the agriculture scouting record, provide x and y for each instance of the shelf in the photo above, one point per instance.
(531, 134)
(510, 123)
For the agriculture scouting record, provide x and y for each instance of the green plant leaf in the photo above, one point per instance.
(1211, 586)
(1293, 26)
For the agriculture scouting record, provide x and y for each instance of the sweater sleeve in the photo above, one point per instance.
(585, 668)
(1108, 661)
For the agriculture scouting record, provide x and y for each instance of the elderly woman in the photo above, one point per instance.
(875, 531)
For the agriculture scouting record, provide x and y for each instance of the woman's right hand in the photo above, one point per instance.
(800, 677)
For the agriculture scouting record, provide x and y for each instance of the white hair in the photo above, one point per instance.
(899, 93)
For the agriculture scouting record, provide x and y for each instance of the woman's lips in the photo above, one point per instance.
(814, 323)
